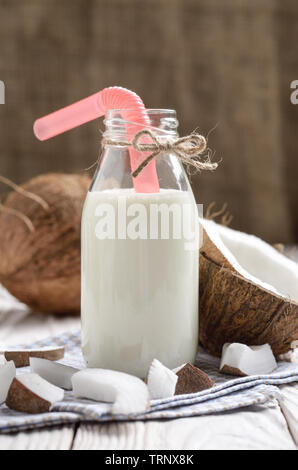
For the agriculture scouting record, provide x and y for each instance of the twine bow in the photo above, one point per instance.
(188, 149)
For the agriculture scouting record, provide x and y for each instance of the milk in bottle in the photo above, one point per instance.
(139, 262)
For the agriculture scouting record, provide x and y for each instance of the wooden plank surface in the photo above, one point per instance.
(254, 428)
(45, 439)
(289, 408)
(19, 325)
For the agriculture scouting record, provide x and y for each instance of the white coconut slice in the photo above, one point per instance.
(30, 393)
(128, 394)
(7, 374)
(161, 381)
(248, 291)
(21, 356)
(55, 373)
(239, 359)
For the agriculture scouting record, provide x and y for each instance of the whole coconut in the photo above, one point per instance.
(41, 266)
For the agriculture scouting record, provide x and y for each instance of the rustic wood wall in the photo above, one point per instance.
(223, 63)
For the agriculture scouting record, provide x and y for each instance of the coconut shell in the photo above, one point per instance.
(235, 310)
(191, 379)
(232, 371)
(21, 358)
(42, 268)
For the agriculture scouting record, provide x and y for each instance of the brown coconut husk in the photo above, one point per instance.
(235, 309)
(41, 267)
(21, 358)
(191, 379)
(228, 370)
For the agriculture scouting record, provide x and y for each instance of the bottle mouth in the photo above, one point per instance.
(120, 122)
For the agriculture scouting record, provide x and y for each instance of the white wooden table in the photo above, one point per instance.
(270, 426)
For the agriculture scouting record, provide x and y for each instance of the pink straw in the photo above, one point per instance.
(94, 107)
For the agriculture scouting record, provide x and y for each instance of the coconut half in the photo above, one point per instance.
(248, 291)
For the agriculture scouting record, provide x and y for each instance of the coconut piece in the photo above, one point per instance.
(7, 374)
(191, 379)
(161, 381)
(21, 356)
(41, 267)
(30, 393)
(248, 291)
(128, 394)
(292, 354)
(55, 373)
(241, 360)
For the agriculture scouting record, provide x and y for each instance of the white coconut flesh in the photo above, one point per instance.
(40, 387)
(255, 260)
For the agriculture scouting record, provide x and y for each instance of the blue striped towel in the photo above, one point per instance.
(228, 394)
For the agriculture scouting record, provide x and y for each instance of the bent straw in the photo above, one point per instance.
(95, 106)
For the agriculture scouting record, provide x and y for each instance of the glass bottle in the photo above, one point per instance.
(139, 259)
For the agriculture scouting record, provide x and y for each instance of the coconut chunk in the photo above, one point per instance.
(292, 354)
(7, 374)
(128, 394)
(55, 373)
(21, 356)
(30, 393)
(239, 359)
(191, 379)
(161, 381)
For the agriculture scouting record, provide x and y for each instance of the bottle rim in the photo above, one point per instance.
(148, 110)
(163, 122)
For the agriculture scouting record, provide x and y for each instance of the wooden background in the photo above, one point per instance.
(223, 63)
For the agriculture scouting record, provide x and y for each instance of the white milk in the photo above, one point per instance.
(139, 297)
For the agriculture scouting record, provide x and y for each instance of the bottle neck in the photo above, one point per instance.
(122, 124)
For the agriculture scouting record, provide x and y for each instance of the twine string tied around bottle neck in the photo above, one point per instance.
(189, 149)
